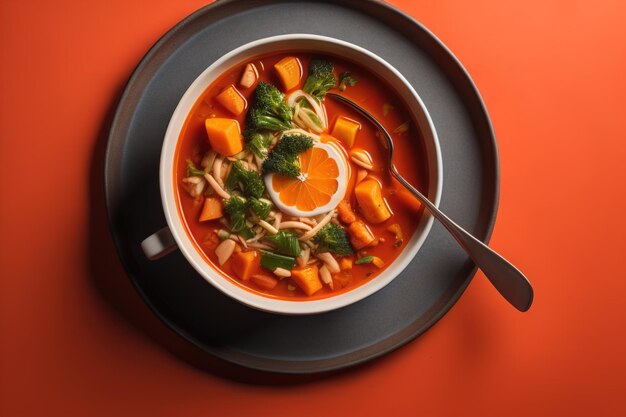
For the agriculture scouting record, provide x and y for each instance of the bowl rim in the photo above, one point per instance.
(208, 271)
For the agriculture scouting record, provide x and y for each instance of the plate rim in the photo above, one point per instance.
(325, 365)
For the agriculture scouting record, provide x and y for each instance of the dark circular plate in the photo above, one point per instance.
(222, 327)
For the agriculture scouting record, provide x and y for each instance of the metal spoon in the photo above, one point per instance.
(507, 279)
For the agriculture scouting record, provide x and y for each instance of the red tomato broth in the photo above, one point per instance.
(370, 92)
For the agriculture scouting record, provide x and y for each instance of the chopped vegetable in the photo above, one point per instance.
(307, 279)
(320, 78)
(261, 207)
(397, 231)
(249, 181)
(192, 170)
(236, 209)
(360, 234)
(378, 262)
(364, 260)
(272, 261)
(372, 205)
(403, 128)
(283, 158)
(286, 242)
(289, 71)
(249, 76)
(224, 135)
(346, 130)
(345, 263)
(243, 264)
(224, 251)
(212, 209)
(345, 212)
(282, 273)
(329, 261)
(268, 111)
(405, 197)
(232, 100)
(223, 234)
(332, 238)
(264, 281)
(258, 142)
(346, 79)
(386, 109)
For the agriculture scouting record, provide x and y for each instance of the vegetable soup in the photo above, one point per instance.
(285, 191)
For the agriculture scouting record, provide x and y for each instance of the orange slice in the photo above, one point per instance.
(318, 189)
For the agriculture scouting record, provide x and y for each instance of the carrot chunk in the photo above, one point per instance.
(344, 210)
(345, 263)
(244, 263)
(360, 234)
(232, 100)
(290, 72)
(307, 279)
(346, 130)
(264, 281)
(212, 209)
(371, 202)
(224, 136)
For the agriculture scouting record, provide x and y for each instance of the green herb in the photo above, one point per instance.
(364, 260)
(346, 79)
(333, 238)
(285, 242)
(272, 261)
(223, 234)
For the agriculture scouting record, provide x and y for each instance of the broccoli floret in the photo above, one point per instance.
(320, 78)
(332, 238)
(260, 207)
(268, 110)
(346, 79)
(283, 158)
(250, 182)
(257, 142)
(260, 119)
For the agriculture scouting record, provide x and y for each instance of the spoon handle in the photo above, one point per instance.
(507, 279)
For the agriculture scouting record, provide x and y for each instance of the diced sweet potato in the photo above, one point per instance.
(264, 281)
(307, 279)
(232, 100)
(345, 213)
(244, 264)
(346, 130)
(212, 209)
(249, 76)
(405, 197)
(360, 235)
(224, 136)
(371, 202)
(345, 263)
(289, 71)
(342, 280)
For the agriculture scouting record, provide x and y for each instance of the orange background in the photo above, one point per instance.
(553, 75)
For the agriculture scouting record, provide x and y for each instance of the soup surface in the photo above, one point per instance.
(285, 191)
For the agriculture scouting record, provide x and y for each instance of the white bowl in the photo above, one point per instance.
(301, 43)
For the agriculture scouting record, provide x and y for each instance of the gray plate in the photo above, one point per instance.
(222, 328)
